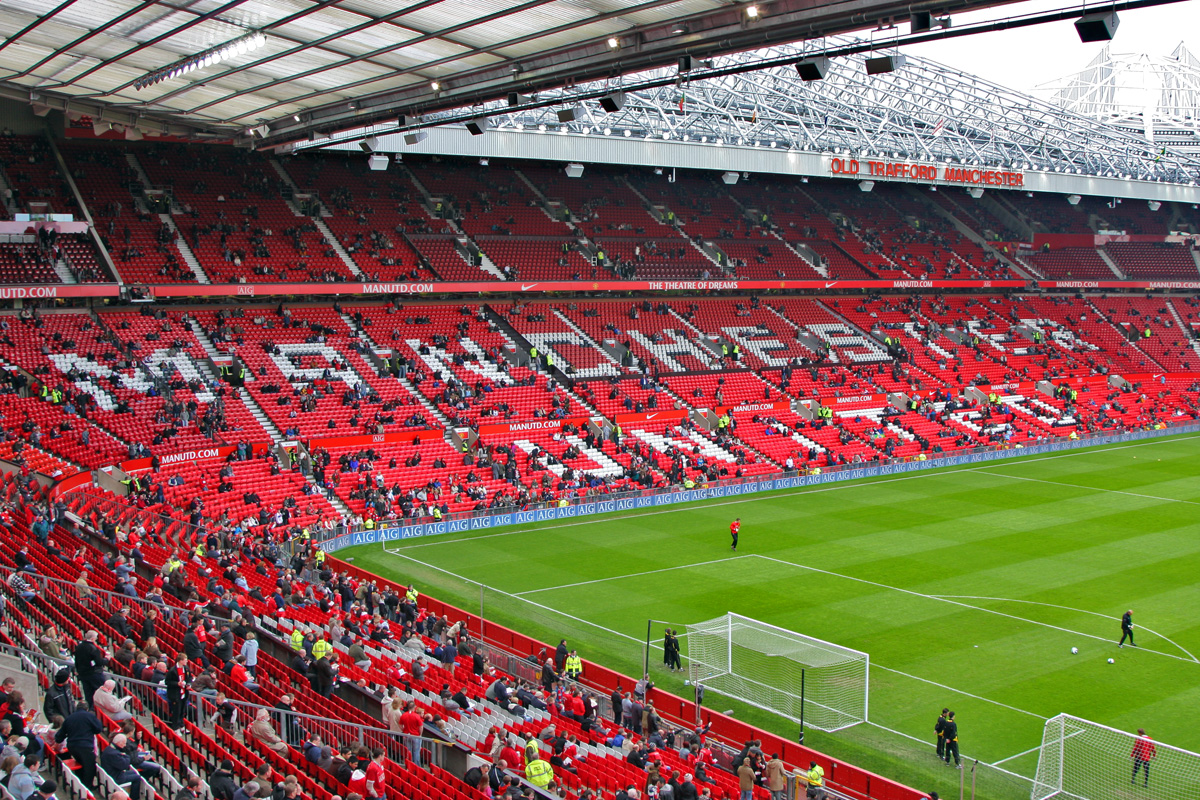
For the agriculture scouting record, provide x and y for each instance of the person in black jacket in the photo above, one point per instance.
(119, 622)
(90, 662)
(951, 733)
(194, 648)
(58, 696)
(116, 764)
(560, 656)
(939, 728)
(177, 680)
(79, 732)
(220, 781)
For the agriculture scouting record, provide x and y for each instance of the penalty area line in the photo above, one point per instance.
(631, 575)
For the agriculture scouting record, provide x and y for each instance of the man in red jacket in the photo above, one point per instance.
(1143, 753)
(412, 723)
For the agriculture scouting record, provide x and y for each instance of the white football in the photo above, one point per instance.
(1112, 661)
(1075, 651)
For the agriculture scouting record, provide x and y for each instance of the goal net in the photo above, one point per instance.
(1089, 761)
(819, 683)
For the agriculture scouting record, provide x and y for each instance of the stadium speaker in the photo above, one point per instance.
(369, 145)
(99, 128)
(613, 103)
(416, 137)
(477, 126)
(517, 99)
(730, 178)
(1073, 199)
(685, 63)
(866, 186)
(920, 21)
(975, 192)
(884, 64)
(261, 131)
(574, 170)
(1154, 205)
(133, 134)
(570, 114)
(813, 69)
(1100, 27)
(377, 161)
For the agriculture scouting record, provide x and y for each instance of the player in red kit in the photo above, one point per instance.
(1143, 753)
(734, 527)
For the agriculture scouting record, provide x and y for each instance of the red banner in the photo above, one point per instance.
(376, 438)
(535, 287)
(1119, 284)
(650, 416)
(533, 425)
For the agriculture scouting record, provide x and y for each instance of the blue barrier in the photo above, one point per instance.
(389, 532)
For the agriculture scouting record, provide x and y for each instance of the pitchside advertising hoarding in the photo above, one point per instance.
(389, 532)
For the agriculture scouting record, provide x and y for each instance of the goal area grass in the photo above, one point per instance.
(968, 586)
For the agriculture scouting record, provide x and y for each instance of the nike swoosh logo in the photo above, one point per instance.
(831, 285)
(525, 287)
(651, 416)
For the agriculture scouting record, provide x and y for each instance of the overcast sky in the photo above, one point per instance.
(1023, 59)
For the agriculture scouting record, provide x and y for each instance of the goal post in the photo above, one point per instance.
(1084, 760)
(813, 682)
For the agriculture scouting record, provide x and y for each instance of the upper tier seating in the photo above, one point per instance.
(236, 222)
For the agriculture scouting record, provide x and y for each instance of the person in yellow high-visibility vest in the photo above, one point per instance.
(574, 666)
(539, 773)
(815, 778)
(321, 649)
(412, 594)
(297, 640)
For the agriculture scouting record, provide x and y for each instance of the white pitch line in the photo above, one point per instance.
(1018, 755)
(630, 575)
(1068, 608)
(982, 471)
(439, 541)
(967, 605)
(522, 599)
(958, 691)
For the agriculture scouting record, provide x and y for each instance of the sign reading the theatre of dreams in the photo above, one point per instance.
(925, 173)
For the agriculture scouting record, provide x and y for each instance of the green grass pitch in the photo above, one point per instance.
(968, 586)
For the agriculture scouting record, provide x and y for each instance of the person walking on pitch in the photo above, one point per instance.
(734, 527)
(1127, 629)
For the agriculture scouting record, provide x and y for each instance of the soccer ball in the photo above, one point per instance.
(1112, 661)
(1074, 651)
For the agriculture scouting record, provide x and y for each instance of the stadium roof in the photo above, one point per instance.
(923, 111)
(1156, 96)
(329, 64)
